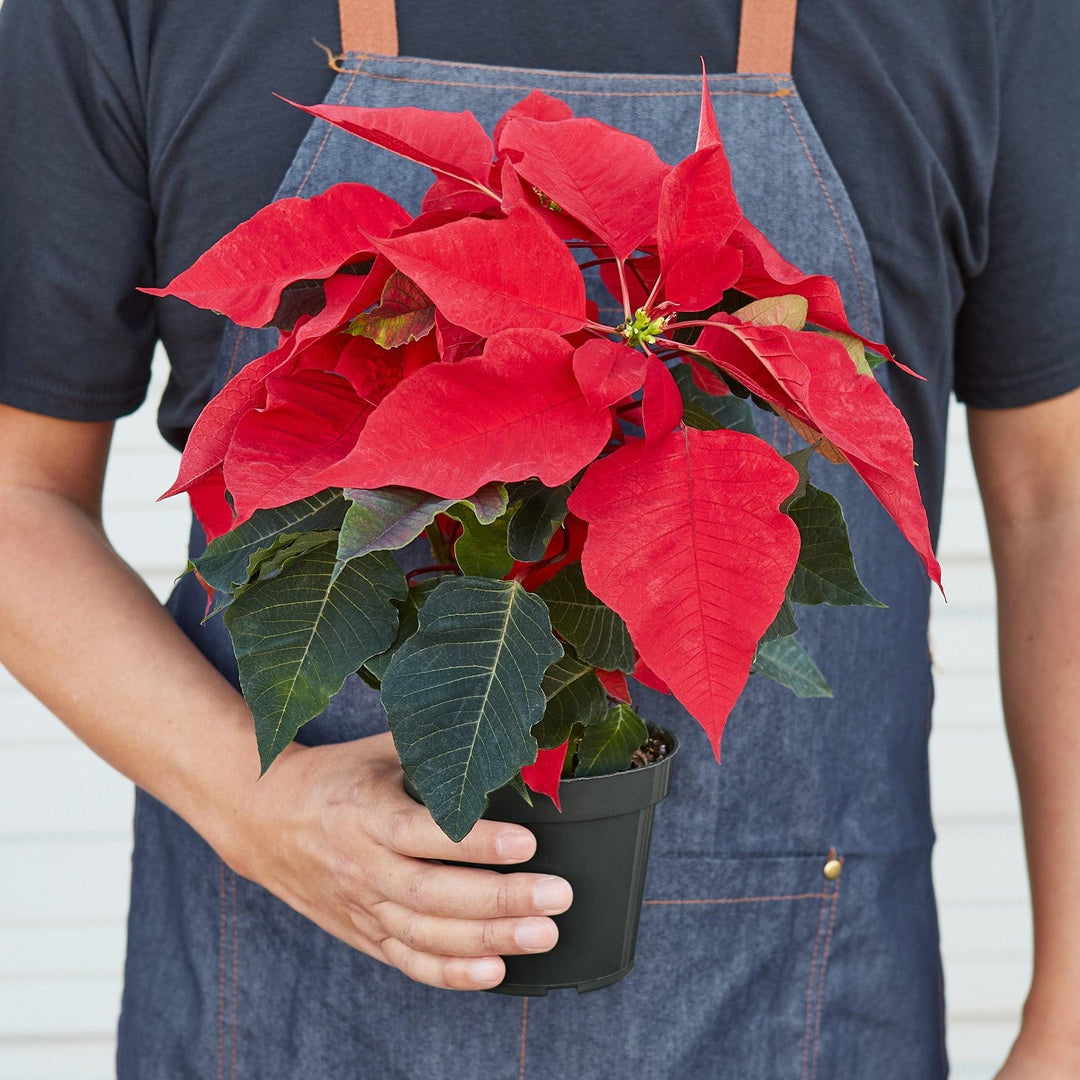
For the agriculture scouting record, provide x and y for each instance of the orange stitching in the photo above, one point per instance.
(221, 986)
(235, 971)
(821, 981)
(810, 987)
(836, 216)
(553, 71)
(779, 92)
(329, 129)
(745, 899)
(524, 1028)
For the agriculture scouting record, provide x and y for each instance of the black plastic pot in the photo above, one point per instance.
(600, 844)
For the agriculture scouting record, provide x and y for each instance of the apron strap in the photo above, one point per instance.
(766, 32)
(369, 26)
(766, 36)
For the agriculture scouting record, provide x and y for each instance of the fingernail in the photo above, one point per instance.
(485, 971)
(535, 934)
(553, 895)
(514, 845)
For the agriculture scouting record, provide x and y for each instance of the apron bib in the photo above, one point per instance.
(753, 963)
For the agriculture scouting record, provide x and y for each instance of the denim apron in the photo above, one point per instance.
(789, 929)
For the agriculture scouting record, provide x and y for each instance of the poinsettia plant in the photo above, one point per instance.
(597, 498)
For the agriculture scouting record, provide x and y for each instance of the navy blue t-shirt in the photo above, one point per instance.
(134, 133)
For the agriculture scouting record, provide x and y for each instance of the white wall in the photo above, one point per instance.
(65, 816)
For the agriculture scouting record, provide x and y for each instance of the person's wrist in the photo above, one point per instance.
(1050, 1028)
(218, 789)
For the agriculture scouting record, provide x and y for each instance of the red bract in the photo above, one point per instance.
(450, 194)
(608, 180)
(212, 433)
(708, 133)
(811, 375)
(311, 419)
(698, 211)
(244, 273)
(687, 543)
(545, 773)
(514, 412)
(607, 371)
(536, 105)
(661, 403)
(614, 684)
(450, 143)
(208, 503)
(767, 273)
(491, 275)
(346, 295)
(455, 342)
(484, 363)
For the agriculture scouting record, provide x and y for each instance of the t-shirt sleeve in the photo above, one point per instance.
(76, 225)
(1018, 331)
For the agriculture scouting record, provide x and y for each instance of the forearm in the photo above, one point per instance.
(1038, 579)
(82, 631)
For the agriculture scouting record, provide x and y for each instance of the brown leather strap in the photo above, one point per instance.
(767, 36)
(369, 26)
(766, 32)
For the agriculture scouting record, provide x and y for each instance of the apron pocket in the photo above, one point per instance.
(733, 957)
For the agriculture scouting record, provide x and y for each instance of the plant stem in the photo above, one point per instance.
(625, 291)
(440, 567)
(594, 262)
(637, 274)
(440, 547)
(654, 291)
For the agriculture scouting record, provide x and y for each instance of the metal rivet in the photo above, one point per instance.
(832, 869)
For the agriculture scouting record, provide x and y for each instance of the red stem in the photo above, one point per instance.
(553, 558)
(595, 262)
(444, 567)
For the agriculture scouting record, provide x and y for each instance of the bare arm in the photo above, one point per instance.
(1029, 476)
(330, 830)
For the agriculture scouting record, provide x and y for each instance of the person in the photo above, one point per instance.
(311, 923)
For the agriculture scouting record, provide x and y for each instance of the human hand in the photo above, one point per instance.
(1041, 1057)
(331, 831)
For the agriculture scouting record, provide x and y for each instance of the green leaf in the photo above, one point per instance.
(825, 573)
(801, 460)
(481, 550)
(269, 563)
(490, 502)
(298, 636)
(404, 314)
(574, 695)
(570, 761)
(231, 560)
(707, 412)
(408, 621)
(598, 634)
(608, 745)
(783, 625)
(385, 519)
(540, 512)
(785, 661)
(462, 693)
(519, 786)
